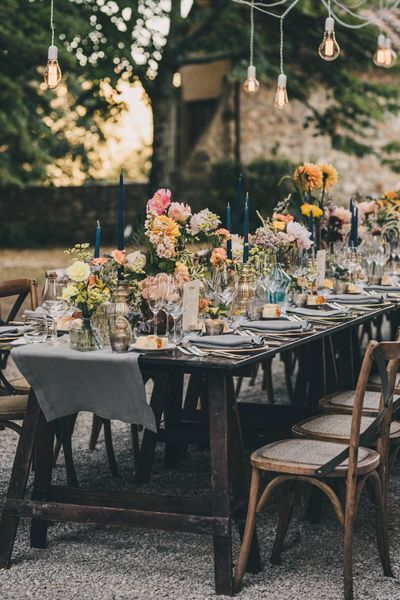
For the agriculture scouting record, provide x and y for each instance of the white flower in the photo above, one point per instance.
(78, 271)
(299, 233)
(237, 246)
(69, 291)
(135, 262)
(205, 221)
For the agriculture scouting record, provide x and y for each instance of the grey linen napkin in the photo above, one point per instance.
(284, 325)
(6, 330)
(355, 299)
(225, 341)
(384, 288)
(66, 381)
(313, 312)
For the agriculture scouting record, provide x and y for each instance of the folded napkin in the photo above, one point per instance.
(38, 313)
(355, 299)
(384, 288)
(6, 330)
(312, 312)
(225, 341)
(284, 325)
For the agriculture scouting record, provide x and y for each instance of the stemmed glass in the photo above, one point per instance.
(156, 294)
(53, 304)
(173, 305)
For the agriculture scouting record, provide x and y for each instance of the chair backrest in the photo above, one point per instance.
(21, 288)
(386, 356)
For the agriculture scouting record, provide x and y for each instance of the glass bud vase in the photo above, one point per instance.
(278, 284)
(85, 339)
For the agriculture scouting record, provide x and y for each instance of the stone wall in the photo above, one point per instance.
(267, 133)
(62, 216)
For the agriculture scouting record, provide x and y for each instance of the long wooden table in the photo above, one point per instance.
(229, 480)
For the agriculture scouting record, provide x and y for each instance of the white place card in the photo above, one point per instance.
(190, 304)
(321, 267)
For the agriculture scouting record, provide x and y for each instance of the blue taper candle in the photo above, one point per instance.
(121, 209)
(238, 202)
(246, 230)
(311, 225)
(97, 241)
(356, 226)
(228, 226)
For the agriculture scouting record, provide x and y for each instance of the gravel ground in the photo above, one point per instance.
(116, 564)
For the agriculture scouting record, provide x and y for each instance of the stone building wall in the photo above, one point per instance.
(269, 133)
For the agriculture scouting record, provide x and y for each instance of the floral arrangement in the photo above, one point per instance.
(279, 235)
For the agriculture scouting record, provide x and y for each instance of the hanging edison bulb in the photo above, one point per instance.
(380, 53)
(52, 75)
(281, 98)
(251, 85)
(329, 48)
(390, 54)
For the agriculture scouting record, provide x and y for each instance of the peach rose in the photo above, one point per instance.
(99, 261)
(159, 203)
(283, 218)
(119, 256)
(163, 224)
(181, 274)
(224, 233)
(91, 281)
(218, 255)
(178, 211)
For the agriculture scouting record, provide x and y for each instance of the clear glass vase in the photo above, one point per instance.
(86, 338)
(277, 285)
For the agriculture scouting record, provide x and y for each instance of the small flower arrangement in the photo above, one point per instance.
(280, 235)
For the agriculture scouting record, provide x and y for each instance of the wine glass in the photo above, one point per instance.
(173, 305)
(156, 294)
(52, 303)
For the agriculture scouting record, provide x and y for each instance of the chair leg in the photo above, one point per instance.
(267, 381)
(110, 448)
(97, 423)
(56, 450)
(249, 528)
(381, 525)
(238, 386)
(348, 553)
(285, 514)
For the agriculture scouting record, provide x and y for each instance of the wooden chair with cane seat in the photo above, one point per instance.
(14, 393)
(316, 462)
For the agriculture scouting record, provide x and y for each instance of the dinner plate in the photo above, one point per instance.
(139, 348)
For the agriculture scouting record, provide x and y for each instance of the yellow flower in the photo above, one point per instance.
(163, 224)
(329, 175)
(78, 271)
(279, 225)
(308, 176)
(69, 291)
(306, 209)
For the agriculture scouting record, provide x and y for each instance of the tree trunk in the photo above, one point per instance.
(163, 102)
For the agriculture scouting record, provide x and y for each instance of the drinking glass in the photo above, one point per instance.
(173, 306)
(37, 331)
(53, 304)
(156, 294)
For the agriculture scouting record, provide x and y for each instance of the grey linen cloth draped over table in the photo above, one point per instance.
(66, 381)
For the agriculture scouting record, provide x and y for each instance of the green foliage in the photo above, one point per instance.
(261, 180)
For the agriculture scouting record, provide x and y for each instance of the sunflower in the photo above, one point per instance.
(306, 209)
(329, 175)
(308, 176)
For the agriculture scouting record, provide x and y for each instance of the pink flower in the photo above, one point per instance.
(342, 213)
(218, 255)
(99, 261)
(181, 274)
(178, 211)
(119, 256)
(159, 203)
(364, 208)
(299, 233)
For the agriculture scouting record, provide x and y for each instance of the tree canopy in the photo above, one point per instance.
(102, 41)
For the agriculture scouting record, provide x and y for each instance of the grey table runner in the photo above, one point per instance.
(66, 381)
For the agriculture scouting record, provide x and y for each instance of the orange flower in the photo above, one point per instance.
(91, 281)
(163, 224)
(308, 176)
(119, 256)
(203, 304)
(281, 217)
(391, 195)
(224, 233)
(99, 261)
(218, 255)
(329, 175)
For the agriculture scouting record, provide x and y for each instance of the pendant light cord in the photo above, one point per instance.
(52, 21)
(252, 33)
(281, 44)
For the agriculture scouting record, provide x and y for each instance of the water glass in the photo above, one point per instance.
(37, 331)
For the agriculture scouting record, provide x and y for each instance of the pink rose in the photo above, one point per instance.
(159, 203)
(342, 213)
(178, 211)
(119, 256)
(364, 208)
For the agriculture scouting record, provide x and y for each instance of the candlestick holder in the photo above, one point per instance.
(245, 291)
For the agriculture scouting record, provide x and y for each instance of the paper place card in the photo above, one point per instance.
(321, 267)
(190, 305)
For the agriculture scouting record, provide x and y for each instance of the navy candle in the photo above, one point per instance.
(97, 241)
(238, 202)
(121, 208)
(228, 226)
(246, 230)
(311, 225)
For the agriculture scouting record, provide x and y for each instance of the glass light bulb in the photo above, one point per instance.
(251, 85)
(281, 98)
(329, 48)
(390, 54)
(52, 74)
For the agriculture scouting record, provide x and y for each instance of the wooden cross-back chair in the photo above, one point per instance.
(14, 393)
(316, 462)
